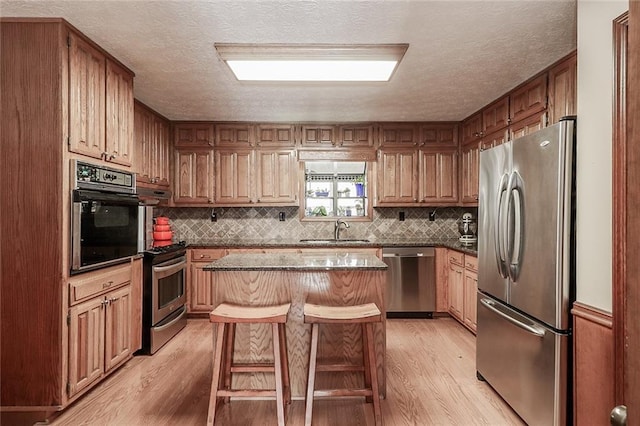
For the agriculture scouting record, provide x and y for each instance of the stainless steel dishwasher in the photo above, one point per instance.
(411, 281)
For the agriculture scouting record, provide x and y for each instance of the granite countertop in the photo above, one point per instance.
(296, 262)
(452, 243)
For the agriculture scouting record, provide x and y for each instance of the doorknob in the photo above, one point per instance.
(619, 416)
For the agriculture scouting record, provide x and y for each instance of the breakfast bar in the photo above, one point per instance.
(331, 278)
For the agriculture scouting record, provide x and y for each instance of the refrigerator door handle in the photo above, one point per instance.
(515, 204)
(499, 231)
(531, 328)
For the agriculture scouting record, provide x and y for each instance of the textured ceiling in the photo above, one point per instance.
(462, 54)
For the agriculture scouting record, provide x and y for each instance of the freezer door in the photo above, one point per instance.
(524, 361)
(538, 224)
(492, 203)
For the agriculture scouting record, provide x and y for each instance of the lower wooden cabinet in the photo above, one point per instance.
(101, 323)
(201, 285)
(462, 286)
(456, 284)
(470, 292)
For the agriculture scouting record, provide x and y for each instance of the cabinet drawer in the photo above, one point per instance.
(471, 263)
(207, 255)
(95, 283)
(456, 257)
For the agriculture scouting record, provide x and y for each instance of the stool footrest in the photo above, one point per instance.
(342, 392)
(246, 392)
(339, 367)
(252, 368)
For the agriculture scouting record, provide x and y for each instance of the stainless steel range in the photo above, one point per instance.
(164, 311)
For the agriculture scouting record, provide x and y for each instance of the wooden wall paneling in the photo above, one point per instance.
(136, 305)
(33, 106)
(593, 365)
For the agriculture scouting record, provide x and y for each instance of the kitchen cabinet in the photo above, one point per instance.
(275, 135)
(495, 116)
(153, 147)
(471, 129)
(234, 135)
(495, 139)
(201, 284)
(439, 135)
(470, 173)
(234, 176)
(318, 136)
(455, 284)
(356, 136)
(438, 177)
(528, 99)
(100, 104)
(399, 134)
(470, 316)
(442, 278)
(562, 89)
(193, 179)
(277, 177)
(193, 134)
(528, 125)
(101, 320)
(397, 177)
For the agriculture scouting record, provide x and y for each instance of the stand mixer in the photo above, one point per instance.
(468, 228)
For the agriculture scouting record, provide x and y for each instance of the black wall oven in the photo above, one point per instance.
(106, 217)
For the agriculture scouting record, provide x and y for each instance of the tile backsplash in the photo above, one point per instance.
(262, 222)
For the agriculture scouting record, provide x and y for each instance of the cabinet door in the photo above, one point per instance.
(277, 177)
(495, 116)
(136, 305)
(470, 299)
(142, 124)
(528, 125)
(234, 176)
(86, 344)
(470, 173)
(117, 339)
(316, 136)
(397, 177)
(193, 181)
(495, 139)
(562, 89)
(193, 134)
(160, 169)
(356, 136)
(434, 135)
(275, 135)
(456, 291)
(529, 99)
(442, 278)
(438, 177)
(234, 135)
(472, 129)
(119, 137)
(399, 134)
(86, 98)
(202, 292)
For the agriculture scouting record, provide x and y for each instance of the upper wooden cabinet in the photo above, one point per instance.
(276, 181)
(193, 178)
(562, 89)
(438, 177)
(399, 134)
(234, 176)
(234, 135)
(495, 116)
(193, 134)
(470, 173)
(472, 128)
(318, 136)
(356, 136)
(100, 104)
(275, 135)
(434, 135)
(528, 125)
(528, 99)
(495, 138)
(153, 147)
(397, 177)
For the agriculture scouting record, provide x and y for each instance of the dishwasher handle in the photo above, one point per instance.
(407, 255)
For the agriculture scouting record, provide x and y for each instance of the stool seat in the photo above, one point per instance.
(327, 314)
(226, 312)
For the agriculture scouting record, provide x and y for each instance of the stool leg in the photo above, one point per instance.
(312, 374)
(215, 379)
(277, 363)
(366, 361)
(373, 368)
(285, 362)
(228, 357)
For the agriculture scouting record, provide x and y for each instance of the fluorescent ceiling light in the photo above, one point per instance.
(277, 62)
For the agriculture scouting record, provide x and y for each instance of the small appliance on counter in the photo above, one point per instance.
(467, 228)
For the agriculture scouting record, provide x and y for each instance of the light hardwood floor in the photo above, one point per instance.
(430, 372)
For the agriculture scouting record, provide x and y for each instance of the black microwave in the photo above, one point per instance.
(106, 217)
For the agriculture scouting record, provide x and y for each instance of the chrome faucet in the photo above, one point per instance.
(336, 232)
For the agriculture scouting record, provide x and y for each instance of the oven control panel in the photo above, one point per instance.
(91, 176)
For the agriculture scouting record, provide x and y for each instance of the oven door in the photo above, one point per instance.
(168, 288)
(104, 228)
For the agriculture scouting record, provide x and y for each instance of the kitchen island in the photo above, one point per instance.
(337, 279)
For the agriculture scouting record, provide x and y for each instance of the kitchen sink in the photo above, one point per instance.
(333, 240)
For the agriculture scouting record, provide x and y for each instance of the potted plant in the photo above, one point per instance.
(359, 186)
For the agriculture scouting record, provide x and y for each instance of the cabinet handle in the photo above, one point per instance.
(202, 256)
(113, 299)
(112, 157)
(105, 302)
(107, 284)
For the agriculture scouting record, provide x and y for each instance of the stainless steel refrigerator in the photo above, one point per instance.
(526, 279)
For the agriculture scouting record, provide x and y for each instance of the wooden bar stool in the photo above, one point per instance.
(366, 315)
(227, 316)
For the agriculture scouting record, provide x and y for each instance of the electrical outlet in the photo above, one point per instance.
(281, 216)
(214, 216)
(432, 216)
(401, 216)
